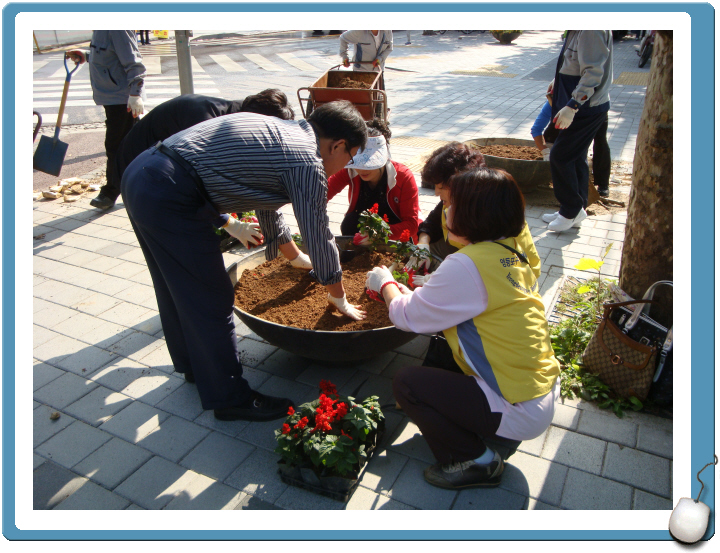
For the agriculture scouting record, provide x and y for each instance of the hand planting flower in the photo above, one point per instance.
(249, 217)
(374, 227)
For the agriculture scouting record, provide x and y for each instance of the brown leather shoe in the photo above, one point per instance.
(466, 474)
(258, 407)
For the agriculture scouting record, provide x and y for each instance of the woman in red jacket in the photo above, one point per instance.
(373, 178)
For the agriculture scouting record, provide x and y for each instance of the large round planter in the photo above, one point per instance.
(506, 38)
(345, 347)
(527, 173)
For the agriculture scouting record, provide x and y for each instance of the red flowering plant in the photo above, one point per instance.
(331, 434)
(373, 227)
(404, 250)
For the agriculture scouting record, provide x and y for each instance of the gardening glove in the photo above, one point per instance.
(302, 261)
(419, 280)
(564, 117)
(404, 289)
(342, 305)
(377, 278)
(361, 239)
(415, 263)
(376, 63)
(546, 154)
(247, 233)
(135, 104)
(346, 62)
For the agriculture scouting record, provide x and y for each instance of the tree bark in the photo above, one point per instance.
(647, 254)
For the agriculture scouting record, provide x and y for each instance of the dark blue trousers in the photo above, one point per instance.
(568, 163)
(173, 224)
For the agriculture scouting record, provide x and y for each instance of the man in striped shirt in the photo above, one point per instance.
(174, 195)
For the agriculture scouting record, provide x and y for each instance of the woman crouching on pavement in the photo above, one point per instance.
(486, 301)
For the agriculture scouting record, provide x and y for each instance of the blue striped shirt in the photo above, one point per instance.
(249, 161)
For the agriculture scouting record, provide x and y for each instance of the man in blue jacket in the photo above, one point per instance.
(117, 76)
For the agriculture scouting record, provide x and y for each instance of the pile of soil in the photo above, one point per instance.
(512, 152)
(347, 82)
(275, 291)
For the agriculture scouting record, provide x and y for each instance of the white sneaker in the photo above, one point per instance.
(561, 224)
(550, 217)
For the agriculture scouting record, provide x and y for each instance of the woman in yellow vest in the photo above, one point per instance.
(485, 299)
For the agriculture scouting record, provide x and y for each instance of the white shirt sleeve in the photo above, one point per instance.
(453, 294)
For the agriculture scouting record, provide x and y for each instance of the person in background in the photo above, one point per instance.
(144, 38)
(485, 298)
(117, 77)
(373, 178)
(174, 194)
(580, 104)
(182, 112)
(371, 50)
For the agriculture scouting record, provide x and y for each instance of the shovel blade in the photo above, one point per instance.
(49, 155)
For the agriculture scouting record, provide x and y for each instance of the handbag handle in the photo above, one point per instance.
(645, 310)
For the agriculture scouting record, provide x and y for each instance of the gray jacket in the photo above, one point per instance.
(588, 55)
(365, 49)
(116, 69)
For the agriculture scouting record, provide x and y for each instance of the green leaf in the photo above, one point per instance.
(586, 263)
(636, 403)
(583, 289)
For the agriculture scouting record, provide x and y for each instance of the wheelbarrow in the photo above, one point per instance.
(371, 102)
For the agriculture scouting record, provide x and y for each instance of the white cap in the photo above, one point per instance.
(374, 156)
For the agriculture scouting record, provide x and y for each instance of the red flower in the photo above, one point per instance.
(234, 215)
(328, 388)
(373, 209)
(286, 429)
(291, 411)
(341, 411)
(385, 217)
(405, 236)
(342, 433)
(295, 436)
(302, 423)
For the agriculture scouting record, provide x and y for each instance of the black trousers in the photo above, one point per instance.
(450, 409)
(601, 157)
(118, 122)
(568, 163)
(172, 222)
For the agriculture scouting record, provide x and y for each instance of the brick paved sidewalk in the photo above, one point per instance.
(131, 434)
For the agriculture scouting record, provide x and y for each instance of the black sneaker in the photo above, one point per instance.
(102, 202)
(467, 474)
(604, 192)
(258, 408)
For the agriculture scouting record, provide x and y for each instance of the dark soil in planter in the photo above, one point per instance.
(277, 292)
(512, 152)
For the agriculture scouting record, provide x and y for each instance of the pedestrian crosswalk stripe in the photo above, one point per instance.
(152, 65)
(88, 93)
(196, 67)
(61, 73)
(227, 64)
(296, 62)
(50, 119)
(263, 62)
(88, 102)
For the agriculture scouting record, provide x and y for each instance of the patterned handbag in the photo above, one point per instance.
(625, 365)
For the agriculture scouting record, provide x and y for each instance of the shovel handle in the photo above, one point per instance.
(64, 97)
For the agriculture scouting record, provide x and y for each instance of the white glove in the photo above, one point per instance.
(564, 117)
(415, 263)
(302, 261)
(404, 289)
(135, 104)
(361, 239)
(342, 305)
(546, 154)
(377, 277)
(420, 280)
(247, 233)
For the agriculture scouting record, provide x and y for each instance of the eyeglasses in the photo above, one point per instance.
(352, 161)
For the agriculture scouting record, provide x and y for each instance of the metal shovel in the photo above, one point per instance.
(50, 153)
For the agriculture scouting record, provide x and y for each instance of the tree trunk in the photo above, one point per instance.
(647, 254)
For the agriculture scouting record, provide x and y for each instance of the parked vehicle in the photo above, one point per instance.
(646, 48)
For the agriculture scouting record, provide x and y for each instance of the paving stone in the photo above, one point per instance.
(93, 497)
(377, 364)
(72, 444)
(281, 387)
(412, 489)
(574, 450)
(284, 364)
(52, 315)
(362, 385)
(366, 500)
(87, 360)
(44, 374)
(52, 484)
(44, 427)
(253, 353)
(96, 304)
(64, 390)
(566, 417)
(252, 503)
(489, 499)
(639, 469)
(156, 483)
(647, 501)
(152, 386)
(301, 499)
(98, 406)
(121, 374)
(231, 428)
(204, 493)
(133, 507)
(37, 461)
(56, 348)
(261, 434)
(257, 475)
(535, 505)
(382, 470)
(417, 347)
(217, 456)
(587, 491)
(407, 440)
(126, 314)
(136, 345)
(656, 441)
(112, 463)
(531, 476)
(608, 428)
(134, 422)
(173, 438)
(534, 446)
(183, 402)
(399, 362)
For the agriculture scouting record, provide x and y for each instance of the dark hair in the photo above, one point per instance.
(339, 120)
(378, 127)
(270, 101)
(487, 204)
(447, 160)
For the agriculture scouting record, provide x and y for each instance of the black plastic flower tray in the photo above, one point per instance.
(334, 487)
